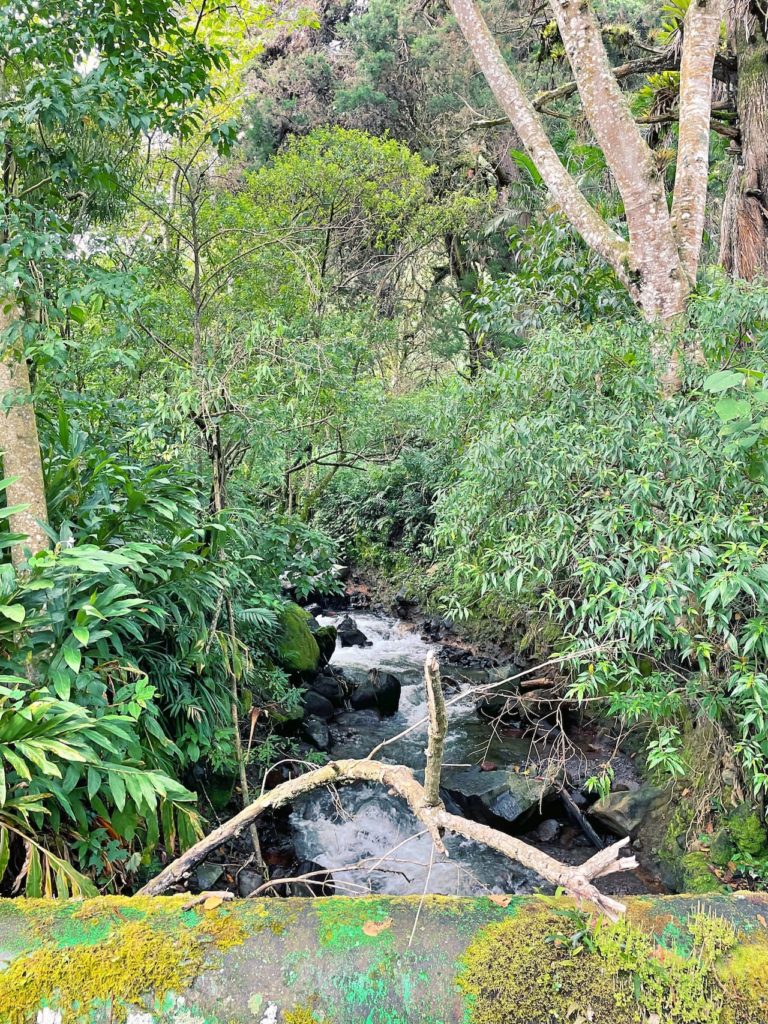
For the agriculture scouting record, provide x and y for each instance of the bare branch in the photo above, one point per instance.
(577, 881)
(438, 726)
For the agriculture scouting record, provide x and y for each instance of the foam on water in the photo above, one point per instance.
(364, 823)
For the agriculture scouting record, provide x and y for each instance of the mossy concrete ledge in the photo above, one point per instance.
(380, 960)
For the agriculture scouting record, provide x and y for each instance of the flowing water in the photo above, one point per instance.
(363, 825)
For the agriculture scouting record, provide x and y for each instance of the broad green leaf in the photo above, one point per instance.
(723, 380)
(732, 409)
(14, 612)
(73, 658)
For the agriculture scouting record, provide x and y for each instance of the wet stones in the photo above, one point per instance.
(622, 813)
(381, 691)
(488, 795)
(349, 635)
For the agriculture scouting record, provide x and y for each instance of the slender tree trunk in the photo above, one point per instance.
(744, 233)
(701, 35)
(658, 281)
(20, 446)
(598, 235)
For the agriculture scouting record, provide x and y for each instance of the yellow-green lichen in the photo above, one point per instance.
(744, 976)
(538, 967)
(303, 1015)
(153, 953)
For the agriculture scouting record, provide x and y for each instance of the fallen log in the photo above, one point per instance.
(384, 960)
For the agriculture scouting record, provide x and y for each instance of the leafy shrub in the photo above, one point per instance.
(629, 520)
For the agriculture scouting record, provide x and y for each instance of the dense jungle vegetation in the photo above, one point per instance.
(287, 288)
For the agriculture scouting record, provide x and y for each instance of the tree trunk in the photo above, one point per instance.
(701, 36)
(657, 279)
(744, 233)
(345, 960)
(20, 448)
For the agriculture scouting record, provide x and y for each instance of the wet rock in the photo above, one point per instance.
(351, 723)
(359, 599)
(435, 629)
(499, 794)
(623, 813)
(314, 609)
(297, 648)
(316, 732)
(548, 831)
(403, 604)
(315, 705)
(319, 885)
(330, 686)
(248, 882)
(325, 638)
(381, 691)
(207, 875)
(495, 706)
(349, 635)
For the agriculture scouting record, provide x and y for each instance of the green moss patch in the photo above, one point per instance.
(297, 648)
(539, 967)
(129, 949)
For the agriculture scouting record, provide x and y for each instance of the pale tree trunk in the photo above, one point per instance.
(521, 113)
(20, 447)
(658, 281)
(701, 35)
(744, 233)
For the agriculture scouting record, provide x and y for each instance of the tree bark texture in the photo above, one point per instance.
(744, 231)
(701, 35)
(338, 960)
(526, 121)
(20, 447)
(658, 281)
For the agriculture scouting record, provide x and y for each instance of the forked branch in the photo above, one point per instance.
(425, 804)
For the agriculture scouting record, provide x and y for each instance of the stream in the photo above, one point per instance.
(368, 839)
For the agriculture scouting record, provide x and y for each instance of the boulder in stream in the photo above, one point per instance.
(315, 705)
(497, 794)
(317, 733)
(349, 635)
(331, 686)
(381, 691)
(623, 812)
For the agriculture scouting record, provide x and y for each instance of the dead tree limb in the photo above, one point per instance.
(577, 881)
(438, 727)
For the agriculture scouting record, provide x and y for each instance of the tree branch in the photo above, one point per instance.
(701, 35)
(425, 804)
(666, 61)
(520, 111)
(438, 727)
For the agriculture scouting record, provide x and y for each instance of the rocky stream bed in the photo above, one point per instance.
(513, 760)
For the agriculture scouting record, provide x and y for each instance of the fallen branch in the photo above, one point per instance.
(576, 881)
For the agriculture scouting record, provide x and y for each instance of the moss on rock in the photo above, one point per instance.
(325, 638)
(144, 946)
(538, 966)
(748, 831)
(297, 648)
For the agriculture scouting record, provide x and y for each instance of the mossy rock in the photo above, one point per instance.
(696, 875)
(297, 649)
(748, 831)
(721, 849)
(325, 638)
